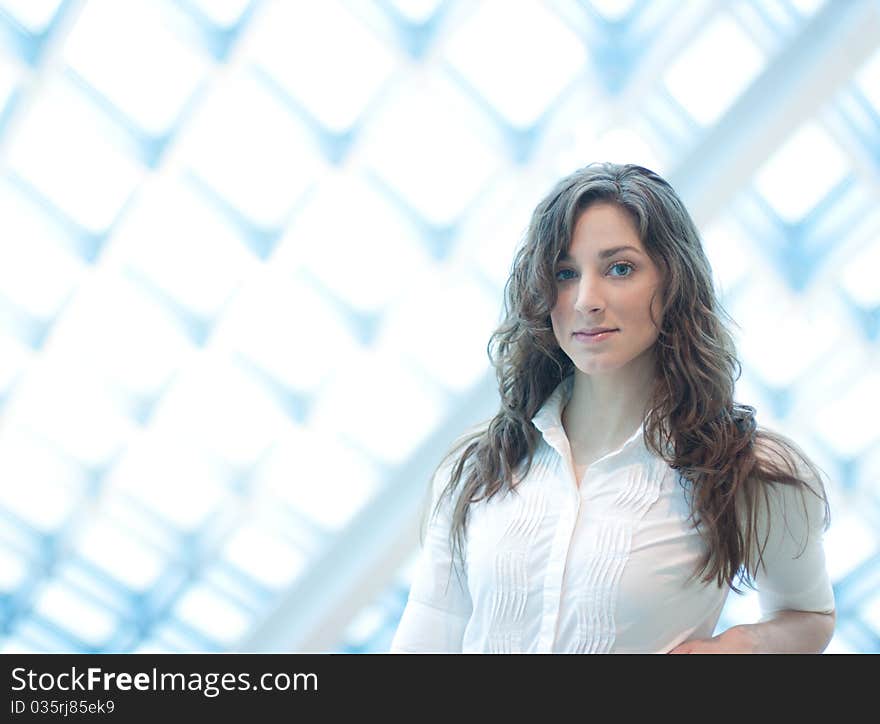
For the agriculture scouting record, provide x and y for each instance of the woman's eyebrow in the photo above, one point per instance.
(605, 253)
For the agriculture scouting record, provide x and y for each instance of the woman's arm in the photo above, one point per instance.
(438, 607)
(794, 590)
(787, 632)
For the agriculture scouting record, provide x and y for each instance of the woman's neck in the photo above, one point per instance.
(604, 410)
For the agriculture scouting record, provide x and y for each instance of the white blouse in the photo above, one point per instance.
(600, 567)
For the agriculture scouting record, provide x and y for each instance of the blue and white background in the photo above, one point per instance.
(251, 253)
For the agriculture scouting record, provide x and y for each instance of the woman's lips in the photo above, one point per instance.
(594, 338)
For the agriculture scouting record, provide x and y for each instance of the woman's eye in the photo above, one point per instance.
(625, 265)
(620, 275)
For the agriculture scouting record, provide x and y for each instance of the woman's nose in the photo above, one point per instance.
(589, 297)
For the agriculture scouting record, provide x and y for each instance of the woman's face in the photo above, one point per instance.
(600, 287)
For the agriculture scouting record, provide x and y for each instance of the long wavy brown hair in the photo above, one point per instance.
(693, 422)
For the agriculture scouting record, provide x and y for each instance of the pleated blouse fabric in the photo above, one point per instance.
(600, 567)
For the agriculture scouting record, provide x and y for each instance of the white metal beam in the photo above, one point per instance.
(793, 86)
(361, 561)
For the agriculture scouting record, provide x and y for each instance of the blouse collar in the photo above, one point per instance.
(549, 418)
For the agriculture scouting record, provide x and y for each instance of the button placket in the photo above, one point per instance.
(555, 576)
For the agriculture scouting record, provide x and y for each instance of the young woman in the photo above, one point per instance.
(619, 490)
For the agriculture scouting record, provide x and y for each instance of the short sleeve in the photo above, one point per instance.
(796, 576)
(439, 606)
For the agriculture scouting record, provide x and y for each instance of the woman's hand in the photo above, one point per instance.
(736, 640)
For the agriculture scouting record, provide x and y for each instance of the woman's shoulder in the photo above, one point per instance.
(790, 496)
